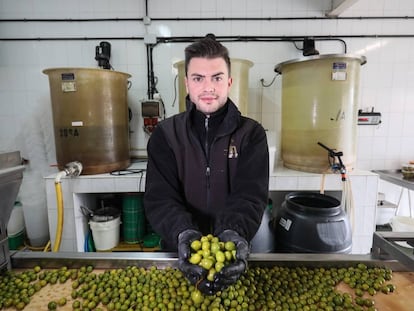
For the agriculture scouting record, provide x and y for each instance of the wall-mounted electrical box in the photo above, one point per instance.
(369, 118)
(151, 113)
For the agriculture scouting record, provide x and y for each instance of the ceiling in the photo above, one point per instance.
(339, 6)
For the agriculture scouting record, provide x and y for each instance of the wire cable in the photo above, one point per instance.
(271, 82)
(175, 90)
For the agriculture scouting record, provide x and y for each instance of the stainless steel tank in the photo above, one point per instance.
(319, 104)
(90, 117)
(11, 175)
(239, 91)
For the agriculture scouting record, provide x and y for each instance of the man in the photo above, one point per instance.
(207, 168)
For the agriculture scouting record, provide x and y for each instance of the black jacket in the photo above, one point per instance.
(209, 183)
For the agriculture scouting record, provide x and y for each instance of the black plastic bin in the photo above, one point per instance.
(310, 222)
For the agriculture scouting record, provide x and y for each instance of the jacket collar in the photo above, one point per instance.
(231, 119)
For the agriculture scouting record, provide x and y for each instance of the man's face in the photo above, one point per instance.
(208, 83)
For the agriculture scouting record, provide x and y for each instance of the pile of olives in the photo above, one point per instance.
(144, 289)
(212, 254)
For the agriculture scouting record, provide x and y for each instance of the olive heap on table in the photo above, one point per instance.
(138, 288)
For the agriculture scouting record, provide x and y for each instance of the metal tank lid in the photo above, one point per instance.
(279, 67)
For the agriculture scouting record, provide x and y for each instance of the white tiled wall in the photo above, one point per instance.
(387, 80)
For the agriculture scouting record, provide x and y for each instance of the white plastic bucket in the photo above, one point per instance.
(105, 233)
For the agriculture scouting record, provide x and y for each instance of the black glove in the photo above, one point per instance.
(194, 273)
(232, 272)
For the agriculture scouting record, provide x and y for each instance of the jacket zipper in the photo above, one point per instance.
(206, 147)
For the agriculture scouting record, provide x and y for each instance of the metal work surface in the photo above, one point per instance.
(162, 260)
(395, 177)
(383, 245)
(401, 299)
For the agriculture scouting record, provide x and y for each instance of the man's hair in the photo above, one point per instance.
(207, 47)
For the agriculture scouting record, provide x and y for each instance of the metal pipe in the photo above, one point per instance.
(222, 39)
(179, 19)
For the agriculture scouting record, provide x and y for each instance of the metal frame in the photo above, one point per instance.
(114, 260)
(383, 245)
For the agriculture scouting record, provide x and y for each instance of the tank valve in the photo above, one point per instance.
(73, 169)
(336, 166)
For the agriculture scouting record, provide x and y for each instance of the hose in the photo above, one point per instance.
(59, 201)
(348, 201)
(71, 169)
(47, 247)
(322, 186)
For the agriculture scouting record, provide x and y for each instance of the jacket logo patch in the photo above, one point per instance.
(233, 152)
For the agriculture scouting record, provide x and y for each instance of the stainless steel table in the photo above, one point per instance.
(395, 177)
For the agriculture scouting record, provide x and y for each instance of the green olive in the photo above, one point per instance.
(195, 258)
(196, 245)
(214, 247)
(220, 257)
(197, 297)
(229, 246)
(211, 274)
(206, 263)
(52, 305)
(218, 266)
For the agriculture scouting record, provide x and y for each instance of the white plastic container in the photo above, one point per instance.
(105, 233)
(36, 221)
(16, 222)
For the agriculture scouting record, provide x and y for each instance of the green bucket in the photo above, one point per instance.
(15, 241)
(133, 218)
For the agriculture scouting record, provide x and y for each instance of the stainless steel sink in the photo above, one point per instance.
(11, 175)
